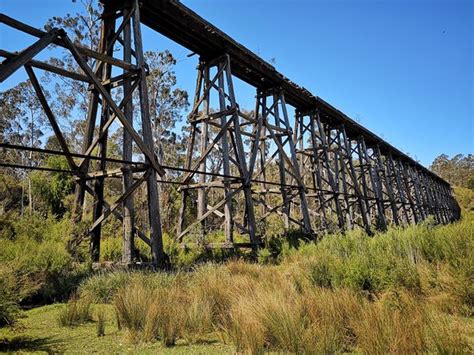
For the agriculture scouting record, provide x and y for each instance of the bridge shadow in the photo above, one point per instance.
(26, 343)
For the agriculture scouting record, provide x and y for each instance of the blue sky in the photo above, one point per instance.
(404, 69)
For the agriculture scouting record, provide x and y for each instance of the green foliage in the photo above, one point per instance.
(37, 258)
(33, 226)
(459, 170)
(392, 260)
(265, 256)
(10, 192)
(465, 198)
(7, 228)
(8, 300)
(277, 245)
(101, 288)
(53, 187)
(111, 249)
(470, 183)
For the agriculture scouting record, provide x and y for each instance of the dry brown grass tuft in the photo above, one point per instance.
(393, 323)
(75, 312)
(151, 313)
(262, 309)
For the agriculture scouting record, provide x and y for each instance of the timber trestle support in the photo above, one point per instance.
(317, 170)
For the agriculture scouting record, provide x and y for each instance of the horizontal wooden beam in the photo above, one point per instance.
(48, 67)
(81, 49)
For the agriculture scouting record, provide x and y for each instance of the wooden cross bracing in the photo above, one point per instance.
(312, 171)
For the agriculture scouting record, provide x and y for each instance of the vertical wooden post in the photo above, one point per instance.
(296, 169)
(430, 197)
(400, 189)
(425, 192)
(421, 203)
(317, 178)
(262, 150)
(157, 253)
(108, 27)
(241, 158)
(128, 249)
(340, 170)
(127, 179)
(228, 218)
(80, 190)
(362, 177)
(202, 193)
(281, 164)
(331, 178)
(409, 192)
(440, 202)
(190, 149)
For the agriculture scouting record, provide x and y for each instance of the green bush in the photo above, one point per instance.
(111, 249)
(37, 258)
(9, 309)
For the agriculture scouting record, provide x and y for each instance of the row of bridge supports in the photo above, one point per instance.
(312, 174)
(242, 168)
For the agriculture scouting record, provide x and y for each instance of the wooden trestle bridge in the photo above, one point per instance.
(316, 171)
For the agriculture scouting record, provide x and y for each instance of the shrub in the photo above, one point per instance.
(111, 249)
(40, 262)
(9, 309)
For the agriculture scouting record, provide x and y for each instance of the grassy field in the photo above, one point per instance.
(38, 331)
(403, 291)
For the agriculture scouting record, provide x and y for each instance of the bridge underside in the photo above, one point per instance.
(317, 171)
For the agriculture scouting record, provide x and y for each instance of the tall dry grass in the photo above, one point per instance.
(261, 308)
(405, 292)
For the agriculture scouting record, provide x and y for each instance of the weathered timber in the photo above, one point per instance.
(319, 171)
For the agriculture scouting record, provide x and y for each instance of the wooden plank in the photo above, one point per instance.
(11, 65)
(51, 118)
(48, 67)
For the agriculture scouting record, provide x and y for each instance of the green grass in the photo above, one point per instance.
(39, 332)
